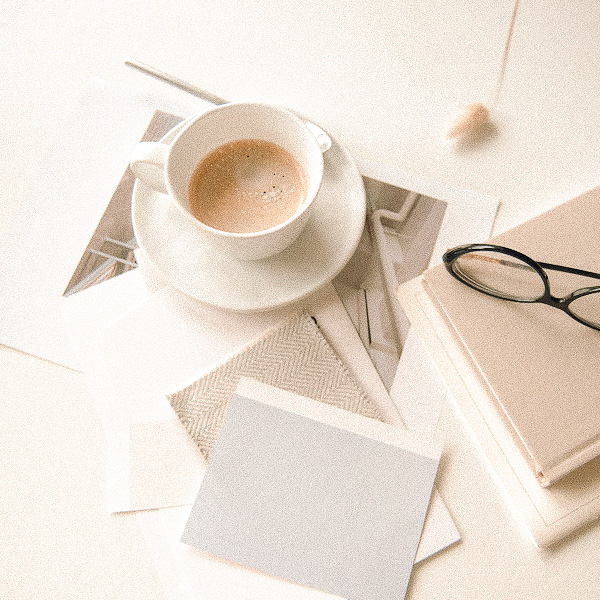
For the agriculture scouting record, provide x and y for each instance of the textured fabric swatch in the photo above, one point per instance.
(295, 357)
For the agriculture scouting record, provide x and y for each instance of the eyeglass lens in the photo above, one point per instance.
(587, 308)
(500, 274)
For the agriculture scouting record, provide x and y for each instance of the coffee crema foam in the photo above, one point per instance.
(246, 186)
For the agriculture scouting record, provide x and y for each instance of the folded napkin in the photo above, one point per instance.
(295, 357)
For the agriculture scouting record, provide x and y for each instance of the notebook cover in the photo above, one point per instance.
(542, 367)
(526, 376)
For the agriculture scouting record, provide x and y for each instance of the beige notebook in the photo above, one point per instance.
(527, 376)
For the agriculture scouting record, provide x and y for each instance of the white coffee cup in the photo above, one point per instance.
(167, 168)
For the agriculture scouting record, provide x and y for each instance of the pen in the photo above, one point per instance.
(180, 83)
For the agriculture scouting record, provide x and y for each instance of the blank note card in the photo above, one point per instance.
(314, 494)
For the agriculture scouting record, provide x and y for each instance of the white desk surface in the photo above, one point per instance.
(385, 77)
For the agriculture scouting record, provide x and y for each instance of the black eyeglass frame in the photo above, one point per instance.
(450, 257)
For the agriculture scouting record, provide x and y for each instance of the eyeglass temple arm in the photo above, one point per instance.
(569, 270)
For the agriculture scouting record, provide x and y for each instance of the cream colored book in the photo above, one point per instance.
(526, 377)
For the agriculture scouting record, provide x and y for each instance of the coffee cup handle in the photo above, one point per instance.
(323, 139)
(148, 164)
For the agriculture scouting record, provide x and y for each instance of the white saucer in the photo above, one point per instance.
(184, 259)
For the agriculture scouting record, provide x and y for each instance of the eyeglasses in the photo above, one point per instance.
(510, 275)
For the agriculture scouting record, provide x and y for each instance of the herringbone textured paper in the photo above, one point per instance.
(295, 357)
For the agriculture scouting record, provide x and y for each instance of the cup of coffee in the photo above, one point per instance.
(245, 174)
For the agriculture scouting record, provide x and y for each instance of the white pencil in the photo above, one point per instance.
(184, 85)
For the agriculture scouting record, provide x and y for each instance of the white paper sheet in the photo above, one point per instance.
(418, 389)
(69, 190)
(293, 483)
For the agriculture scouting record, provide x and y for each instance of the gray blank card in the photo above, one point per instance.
(312, 503)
